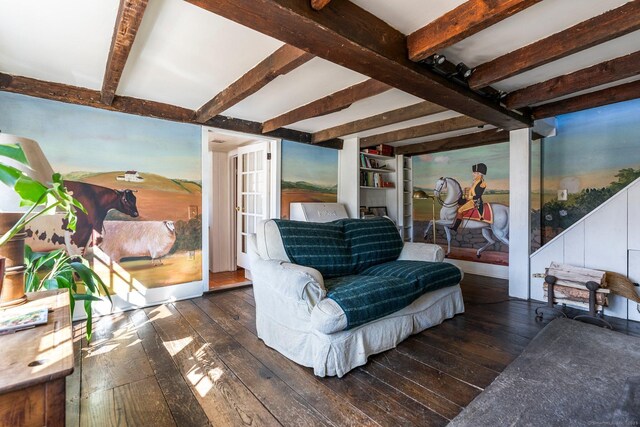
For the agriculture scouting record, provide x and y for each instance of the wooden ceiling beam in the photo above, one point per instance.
(428, 129)
(594, 31)
(319, 4)
(477, 139)
(282, 61)
(128, 21)
(348, 35)
(464, 21)
(329, 104)
(124, 104)
(421, 109)
(620, 93)
(596, 75)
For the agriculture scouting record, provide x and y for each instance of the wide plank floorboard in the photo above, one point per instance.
(200, 363)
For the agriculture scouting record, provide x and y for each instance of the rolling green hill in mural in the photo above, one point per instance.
(151, 181)
(559, 215)
(307, 186)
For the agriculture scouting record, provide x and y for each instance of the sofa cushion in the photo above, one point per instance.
(379, 291)
(366, 298)
(341, 247)
(317, 245)
(425, 276)
(372, 241)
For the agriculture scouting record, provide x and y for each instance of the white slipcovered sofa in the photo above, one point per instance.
(294, 316)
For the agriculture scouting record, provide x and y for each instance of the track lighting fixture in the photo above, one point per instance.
(464, 71)
(435, 59)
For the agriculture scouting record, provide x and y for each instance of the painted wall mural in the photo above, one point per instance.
(309, 174)
(139, 178)
(472, 213)
(595, 154)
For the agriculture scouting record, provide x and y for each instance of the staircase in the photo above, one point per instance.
(608, 238)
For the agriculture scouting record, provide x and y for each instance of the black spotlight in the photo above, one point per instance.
(435, 59)
(464, 71)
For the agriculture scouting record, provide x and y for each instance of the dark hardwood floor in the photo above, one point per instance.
(199, 362)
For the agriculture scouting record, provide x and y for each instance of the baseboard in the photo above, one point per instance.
(480, 268)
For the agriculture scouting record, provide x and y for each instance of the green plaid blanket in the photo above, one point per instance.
(386, 288)
(342, 247)
(358, 260)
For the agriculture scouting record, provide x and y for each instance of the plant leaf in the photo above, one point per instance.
(14, 152)
(51, 284)
(86, 275)
(87, 309)
(86, 297)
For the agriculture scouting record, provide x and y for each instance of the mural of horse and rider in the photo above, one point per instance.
(471, 220)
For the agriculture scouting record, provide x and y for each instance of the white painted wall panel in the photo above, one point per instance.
(519, 212)
(634, 275)
(349, 177)
(606, 245)
(574, 246)
(552, 252)
(221, 234)
(633, 223)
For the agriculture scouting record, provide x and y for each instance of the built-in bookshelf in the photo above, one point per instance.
(364, 196)
(376, 171)
(378, 184)
(405, 194)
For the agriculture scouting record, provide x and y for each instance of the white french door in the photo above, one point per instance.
(252, 204)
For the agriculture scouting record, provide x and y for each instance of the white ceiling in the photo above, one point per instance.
(64, 41)
(532, 24)
(184, 55)
(407, 16)
(228, 141)
(386, 101)
(313, 80)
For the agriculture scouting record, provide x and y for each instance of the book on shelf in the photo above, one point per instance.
(364, 161)
(16, 320)
(374, 180)
(385, 150)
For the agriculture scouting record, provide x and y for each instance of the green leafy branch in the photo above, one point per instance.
(58, 270)
(61, 270)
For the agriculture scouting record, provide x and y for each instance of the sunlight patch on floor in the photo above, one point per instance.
(176, 346)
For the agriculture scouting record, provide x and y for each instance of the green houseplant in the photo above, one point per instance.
(54, 269)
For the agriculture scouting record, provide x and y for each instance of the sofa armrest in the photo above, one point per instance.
(421, 252)
(292, 281)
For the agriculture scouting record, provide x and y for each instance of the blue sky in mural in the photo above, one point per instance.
(457, 164)
(111, 141)
(303, 162)
(592, 145)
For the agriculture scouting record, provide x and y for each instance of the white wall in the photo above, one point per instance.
(605, 239)
(349, 177)
(519, 212)
(221, 233)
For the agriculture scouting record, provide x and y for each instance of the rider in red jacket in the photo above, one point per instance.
(474, 198)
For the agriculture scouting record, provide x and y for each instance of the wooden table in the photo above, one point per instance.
(34, 364)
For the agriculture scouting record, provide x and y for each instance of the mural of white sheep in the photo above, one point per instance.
(123, 239)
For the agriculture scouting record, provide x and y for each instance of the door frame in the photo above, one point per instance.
(207, 186)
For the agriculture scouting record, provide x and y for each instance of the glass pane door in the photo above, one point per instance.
(252, 195)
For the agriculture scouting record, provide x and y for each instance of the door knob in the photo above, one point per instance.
(237, 208)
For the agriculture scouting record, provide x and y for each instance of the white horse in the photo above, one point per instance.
(453, 191)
